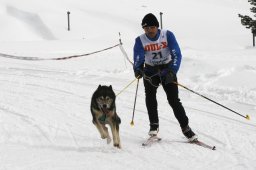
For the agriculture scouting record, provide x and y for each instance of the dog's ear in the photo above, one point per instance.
(110, 87)
(113, 93)
(99, 86)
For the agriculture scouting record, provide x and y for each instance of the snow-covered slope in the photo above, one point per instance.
(45, 119)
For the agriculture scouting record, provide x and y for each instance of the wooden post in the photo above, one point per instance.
(161, 23)
(68, 13)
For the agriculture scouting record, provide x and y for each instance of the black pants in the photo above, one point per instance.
(171, 91)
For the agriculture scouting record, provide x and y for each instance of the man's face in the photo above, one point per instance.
(150, 31)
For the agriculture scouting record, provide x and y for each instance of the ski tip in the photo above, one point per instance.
(214, 148)
(247, 117)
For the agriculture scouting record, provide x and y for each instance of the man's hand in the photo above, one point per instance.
(139, 73)
(168, 75)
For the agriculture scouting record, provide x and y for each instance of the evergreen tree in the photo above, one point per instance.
(248, 22)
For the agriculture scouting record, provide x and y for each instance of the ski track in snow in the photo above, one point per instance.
(54, 91)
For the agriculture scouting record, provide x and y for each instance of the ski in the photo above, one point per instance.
(154, 139)
(200, 143)
(151, 140)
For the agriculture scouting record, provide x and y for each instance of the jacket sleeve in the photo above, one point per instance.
(175, 52)
(138, 55)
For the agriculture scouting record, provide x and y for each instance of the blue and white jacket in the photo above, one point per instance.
(161, 50)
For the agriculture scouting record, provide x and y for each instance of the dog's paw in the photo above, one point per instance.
(103, 136)
(117, 145)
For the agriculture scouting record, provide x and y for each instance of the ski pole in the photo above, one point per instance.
(247, 116)
(132, 123)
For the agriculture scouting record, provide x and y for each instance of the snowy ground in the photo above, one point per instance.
(45, 119)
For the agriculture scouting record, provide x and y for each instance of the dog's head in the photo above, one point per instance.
(105, 97)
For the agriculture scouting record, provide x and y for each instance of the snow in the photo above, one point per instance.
(45, 119)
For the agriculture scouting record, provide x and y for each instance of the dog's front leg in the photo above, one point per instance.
(103, 131)
(106, 132)
(115, 134)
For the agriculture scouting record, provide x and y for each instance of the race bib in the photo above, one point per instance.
(156, 52)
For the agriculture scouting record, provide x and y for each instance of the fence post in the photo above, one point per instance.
(161, 21)
(68, 13)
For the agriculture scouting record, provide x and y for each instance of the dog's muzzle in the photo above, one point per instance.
(104, 109)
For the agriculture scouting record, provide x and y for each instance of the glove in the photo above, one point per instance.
(168, 75)
(139, 73)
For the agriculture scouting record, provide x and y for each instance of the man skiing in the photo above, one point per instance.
(157, 59)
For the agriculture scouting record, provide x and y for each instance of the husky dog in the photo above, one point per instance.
(103, 111)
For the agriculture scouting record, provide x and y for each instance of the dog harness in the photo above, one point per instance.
(103, 118)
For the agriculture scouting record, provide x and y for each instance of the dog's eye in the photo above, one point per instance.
(107, 98)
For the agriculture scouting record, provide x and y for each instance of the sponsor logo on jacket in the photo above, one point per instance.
(155, 46)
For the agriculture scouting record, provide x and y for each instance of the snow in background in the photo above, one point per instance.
(45, 119)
